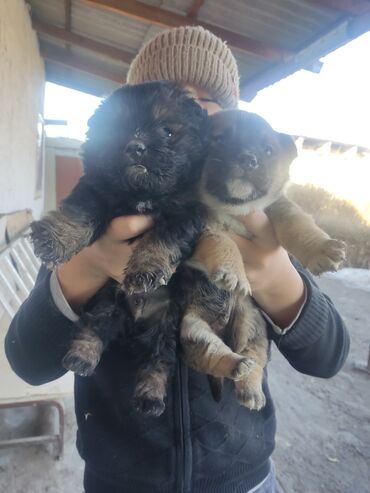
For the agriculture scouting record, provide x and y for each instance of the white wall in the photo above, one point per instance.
(21, 100)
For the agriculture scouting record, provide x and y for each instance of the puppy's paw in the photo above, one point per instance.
(243, 368)
(144, 282)
(251, 397)
(230, 281)
(327, 257)
(83, 365)
(243, 287)
(84, 356)
(150, 391)
(148, 405)
(57, 238)
(47, 244)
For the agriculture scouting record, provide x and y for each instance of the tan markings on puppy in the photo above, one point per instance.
(205, 351)
(248, 326)
(247, 170)
(84, 353)
(148, 307)
(150, 390)
(249, 389)
(56, 237)
(239, 189)
(151, 265)
(249, 338)
(219, 257)
(298, 233)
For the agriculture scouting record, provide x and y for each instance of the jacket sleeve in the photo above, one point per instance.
(317, 344)
(39, 336)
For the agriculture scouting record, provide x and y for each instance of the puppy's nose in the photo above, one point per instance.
(135, 148)
(248, 160)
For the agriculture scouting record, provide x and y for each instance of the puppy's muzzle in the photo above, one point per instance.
(247, 160)
(244, 164)
(135, 149)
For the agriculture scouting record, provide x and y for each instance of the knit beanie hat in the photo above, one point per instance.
(190, 55)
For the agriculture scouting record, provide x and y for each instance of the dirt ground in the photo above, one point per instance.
(323, 439)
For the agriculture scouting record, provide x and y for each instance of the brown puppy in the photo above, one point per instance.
(223, 332)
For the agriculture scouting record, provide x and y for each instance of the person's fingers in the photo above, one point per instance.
(125, 227)
(259, 225)
(244, 244)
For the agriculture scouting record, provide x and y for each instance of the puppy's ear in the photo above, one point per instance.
(288, 146)
(110, 109)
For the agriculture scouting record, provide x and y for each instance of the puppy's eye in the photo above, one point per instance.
(269, 150)
(169, 133)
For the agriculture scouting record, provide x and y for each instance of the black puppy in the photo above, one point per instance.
(144, 152)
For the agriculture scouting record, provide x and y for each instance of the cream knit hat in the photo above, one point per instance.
(192, 55)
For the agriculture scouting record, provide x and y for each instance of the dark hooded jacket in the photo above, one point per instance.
(196, 445)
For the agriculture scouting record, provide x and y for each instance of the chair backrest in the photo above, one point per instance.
(18, 270)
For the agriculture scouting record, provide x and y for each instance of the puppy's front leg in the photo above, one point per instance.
(103, 319)
(155, 345)
(63, 233)
(249, 339)
(151, 264)
(218, 256)
(161, 250)
(206, 352)
(84, 353)
(300, 236)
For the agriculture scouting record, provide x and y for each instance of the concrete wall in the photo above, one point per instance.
(21, 101)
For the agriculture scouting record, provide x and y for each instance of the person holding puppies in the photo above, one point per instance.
(196, 445)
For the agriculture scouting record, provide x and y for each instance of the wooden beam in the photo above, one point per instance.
(67, 14)
(164, 18)
(349, 6)
(194, 9)
(78, 80)
(83, 42)
(78, 63)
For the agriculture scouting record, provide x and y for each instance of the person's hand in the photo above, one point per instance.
(276, 285)
(262, 255)
(82, 276)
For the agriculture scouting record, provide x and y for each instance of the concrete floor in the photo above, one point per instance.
(32, 469)
(323, 439)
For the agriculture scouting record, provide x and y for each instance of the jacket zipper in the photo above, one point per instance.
(183, 480)
(181, 463)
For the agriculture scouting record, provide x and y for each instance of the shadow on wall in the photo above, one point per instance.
(339, 218)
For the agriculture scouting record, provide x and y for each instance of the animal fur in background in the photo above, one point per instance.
(144, 151)
(223, 333)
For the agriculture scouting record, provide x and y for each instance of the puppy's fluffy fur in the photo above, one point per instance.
(144, 150)
(247, 168)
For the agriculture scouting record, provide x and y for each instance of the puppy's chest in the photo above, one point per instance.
(144, 206)
(135, 205)
(226, 222)
(155, 207)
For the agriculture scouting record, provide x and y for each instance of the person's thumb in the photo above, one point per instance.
(126, 227)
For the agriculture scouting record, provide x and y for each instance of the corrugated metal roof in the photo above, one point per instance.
(290, 25)
(116, 30)
(282, 23)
